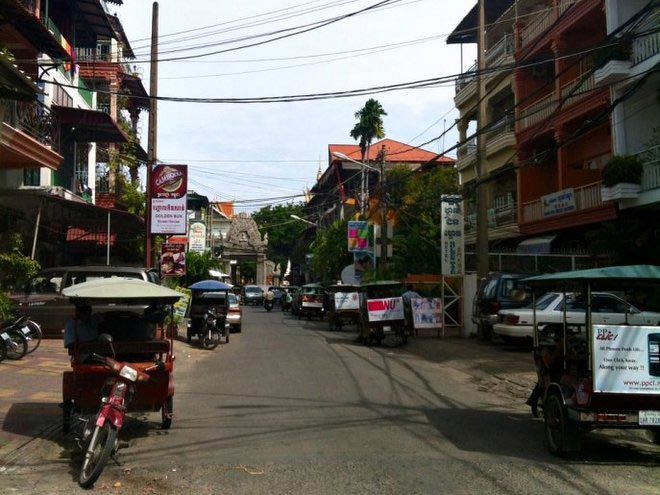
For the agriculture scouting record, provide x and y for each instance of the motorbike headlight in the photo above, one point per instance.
(128, 373)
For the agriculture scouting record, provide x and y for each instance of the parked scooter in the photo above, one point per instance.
(14, 338)
(100, 438)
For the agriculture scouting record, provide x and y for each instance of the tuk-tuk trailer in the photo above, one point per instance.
(343, 305)
(381, 312)
(597, 375)
(141, 334)
(311, 301)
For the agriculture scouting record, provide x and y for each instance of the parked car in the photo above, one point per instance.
(253, 294)
(499, 291)
(235, 314)
(42, 299)
(606, 308)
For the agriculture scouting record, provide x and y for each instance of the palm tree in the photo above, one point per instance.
(369, 125)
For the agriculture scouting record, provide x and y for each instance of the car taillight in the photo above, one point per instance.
(494, 308)
(511, 319)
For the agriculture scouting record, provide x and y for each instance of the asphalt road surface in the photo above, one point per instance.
(288, 407)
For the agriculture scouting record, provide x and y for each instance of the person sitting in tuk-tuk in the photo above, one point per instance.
(83, 327)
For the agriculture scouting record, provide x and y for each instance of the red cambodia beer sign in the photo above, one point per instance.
(168, 192)
(169, 181)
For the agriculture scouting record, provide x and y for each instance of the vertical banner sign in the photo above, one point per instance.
(358, 236)
(452, 238)
(173, 260)
(168, 191)
(197, 237)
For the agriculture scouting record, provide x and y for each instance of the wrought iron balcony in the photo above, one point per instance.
(496, 54)
(466, 78)
(31, 118)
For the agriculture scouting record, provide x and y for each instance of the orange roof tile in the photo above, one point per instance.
(395, 152)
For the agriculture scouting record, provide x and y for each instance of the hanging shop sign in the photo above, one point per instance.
(197, 237)
(173, 260)
(452, 240)
(358, 236)
(626, 359)
(168, 195)
(557, 203)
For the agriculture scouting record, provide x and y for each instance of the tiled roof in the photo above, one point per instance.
(395, 152)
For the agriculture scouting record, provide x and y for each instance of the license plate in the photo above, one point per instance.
(649, 418)
(387, 329)
(25, 330)
(4, 335)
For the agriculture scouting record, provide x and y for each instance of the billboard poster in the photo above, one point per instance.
(452, 249)
(197, 237)
(387, 309)
(426, 312)
(173, 260)
(168, 192)
(560, 202)
(358, 236)
(347, 300)
(626, 359)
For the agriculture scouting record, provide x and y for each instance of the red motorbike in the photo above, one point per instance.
(101, 436)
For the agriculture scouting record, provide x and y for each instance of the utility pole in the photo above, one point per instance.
(383, 211)
(482, 207)
(152, 148)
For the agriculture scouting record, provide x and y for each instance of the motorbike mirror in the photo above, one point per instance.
(107, 339)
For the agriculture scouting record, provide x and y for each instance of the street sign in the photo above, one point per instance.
(452, 249)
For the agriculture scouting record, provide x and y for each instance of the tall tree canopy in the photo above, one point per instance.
(282, 230)
(369, 125)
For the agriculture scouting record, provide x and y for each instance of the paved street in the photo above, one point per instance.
(288, 407)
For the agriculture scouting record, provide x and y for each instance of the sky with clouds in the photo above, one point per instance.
(238, 152)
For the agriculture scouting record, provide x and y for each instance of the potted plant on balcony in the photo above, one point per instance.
(622, 176)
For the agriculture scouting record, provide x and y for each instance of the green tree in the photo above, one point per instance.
(369, 125)
(330, 252)
(15, 268)
(282, 230)
(198, 265)
(416, 201)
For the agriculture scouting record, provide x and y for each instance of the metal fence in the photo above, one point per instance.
(532, 263)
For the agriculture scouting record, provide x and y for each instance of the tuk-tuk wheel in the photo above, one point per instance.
(166, 412)
(67, 409)
(557, 425)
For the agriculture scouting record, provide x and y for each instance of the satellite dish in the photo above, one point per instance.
(348, 275)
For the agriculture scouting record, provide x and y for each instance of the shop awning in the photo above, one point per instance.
(89, 126)
(32, 29)
(14, 84)
(94, 22)
(138, 94)
(466, 31)
(536, 245)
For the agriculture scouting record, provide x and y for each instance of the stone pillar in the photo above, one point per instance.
(462, 125)
(260, 277)
(112, 147)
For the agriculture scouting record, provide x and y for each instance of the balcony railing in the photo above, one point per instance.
(31, 118)
(466, 78)
(651, 176)
(541, 23)
(496, 53)
(585, 197)
(505, 124)
(538, 111)
(468, 148)
(578, 88)
(645, 47)
(501, 213)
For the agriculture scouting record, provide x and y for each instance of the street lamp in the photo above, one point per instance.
(296, 217)
(342, 156)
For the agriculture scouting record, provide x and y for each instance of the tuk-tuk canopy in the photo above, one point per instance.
(625, 275)
(343, 288)
(210, 285)
(122, 290)
(382, 283)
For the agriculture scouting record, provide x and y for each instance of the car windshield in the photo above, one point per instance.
(233, 300)
(544, 301)
(46, 284)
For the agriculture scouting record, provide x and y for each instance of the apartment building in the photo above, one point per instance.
(498, 128)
